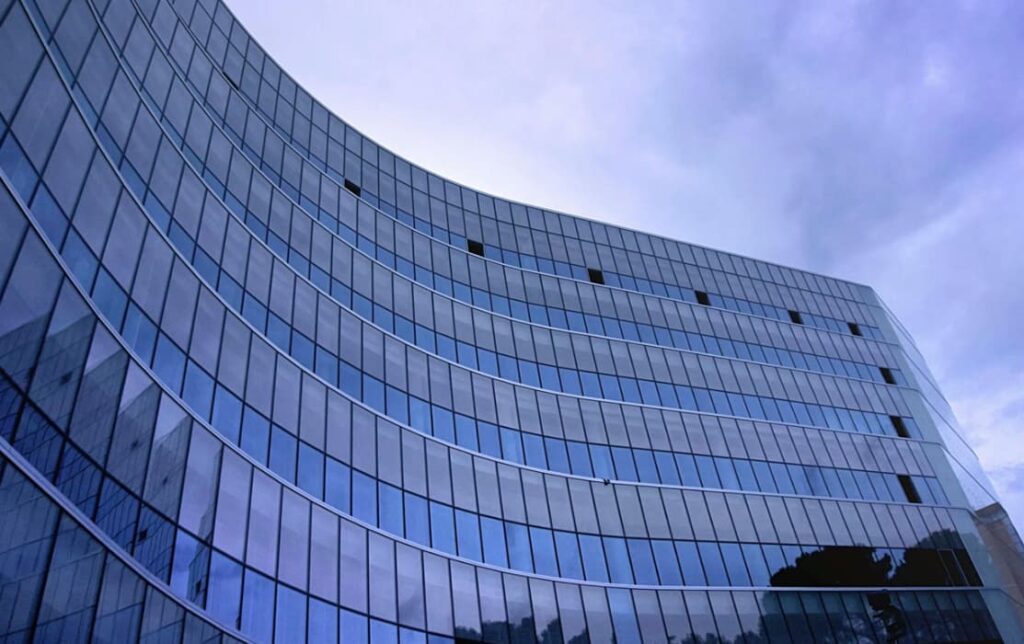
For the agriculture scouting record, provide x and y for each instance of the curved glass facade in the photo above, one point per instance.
(261, 379)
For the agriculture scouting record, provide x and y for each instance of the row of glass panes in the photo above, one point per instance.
(32, 286)
(202, 576)
(780, 313)
(71, 574)
(256, 105)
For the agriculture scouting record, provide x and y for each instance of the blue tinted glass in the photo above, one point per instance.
(417, 519)
(442, 530)
(726, 473)
(689, 561)
(763, 473)
(258, 607)
(443, 424)
(364, 497)
(354, 627)
(534, 448)
(569, 562)
(688, 470)
(140, 333)
(225, 589)
(593, 558)
(465, 432)
(373, 393)
(290, 625)
(227, 414)
(338, 485)
(518, 540)
(468, 532)
(643, 561)
(283, 448)
(397, 404)
(255, 435)
(511, 445)
(734, 564)
(708, 473)
(745, 475)
(323, 622)
(543, 552)
(618, 560)
(493, 541)
(169, 363)
(712, 560)
(391, 509)
(602, 460)
(528, 374)
(489, 443)
(382, 632)
(623, 616)
(666, 562)
(558, 459)
(646, 470)
(579, 457)
(759, 575)
(311, 470)
(774, 558)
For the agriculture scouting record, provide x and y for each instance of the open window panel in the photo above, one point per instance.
(353, 188)
(909, 488)
(901, 427)
(475, 247)
(596, 275)
(702, 298)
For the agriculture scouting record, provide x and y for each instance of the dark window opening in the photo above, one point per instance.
(231, 81)
(702, 298)
(887, 375)
(794, 317)
(596, 276)
(909, 489)
(854, 328)
(900, 427)
(475, 247)
(353, 188)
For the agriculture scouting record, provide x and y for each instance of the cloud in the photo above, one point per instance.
(878, 141)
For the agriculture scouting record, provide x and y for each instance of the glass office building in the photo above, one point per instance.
(261, 379)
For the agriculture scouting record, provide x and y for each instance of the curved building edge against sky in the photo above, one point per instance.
(261, 379)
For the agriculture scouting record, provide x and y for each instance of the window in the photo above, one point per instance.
(231, 81)
(702, 298)
(854, 328)
(899, 426)
(353, 188)
(795, 318)
(475, 247)
(595, 275)
(887, 375)
(909, 489)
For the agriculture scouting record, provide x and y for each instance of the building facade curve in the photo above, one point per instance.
(261, 379)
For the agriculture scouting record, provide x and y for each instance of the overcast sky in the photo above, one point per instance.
(881, 142)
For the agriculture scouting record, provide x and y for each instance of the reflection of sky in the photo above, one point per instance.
(881, 142)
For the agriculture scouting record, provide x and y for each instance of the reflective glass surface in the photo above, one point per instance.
(262, 379)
